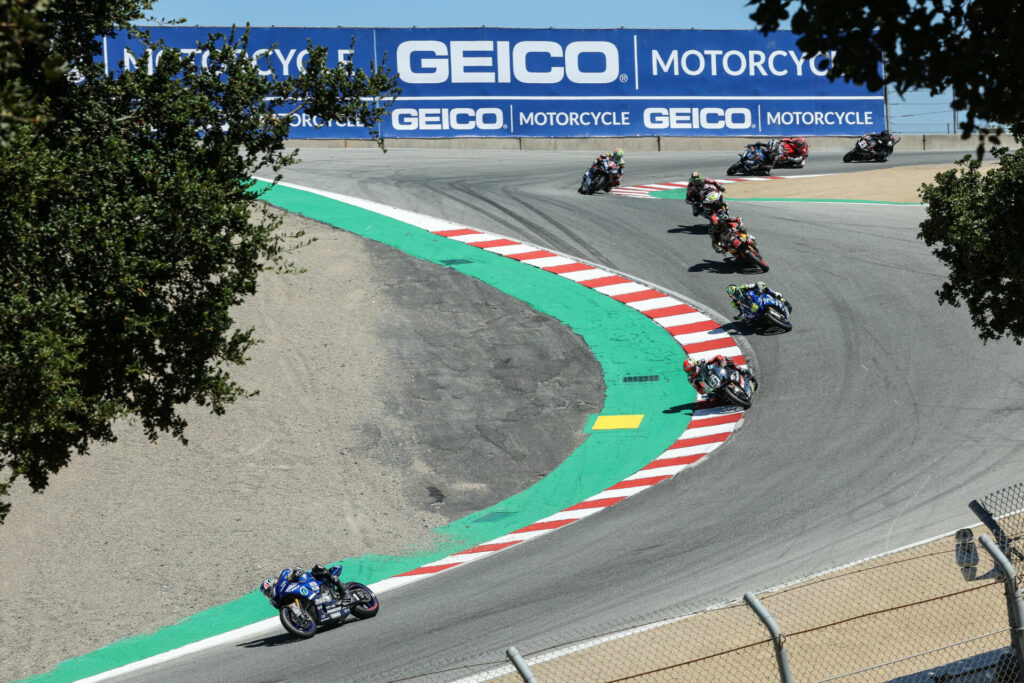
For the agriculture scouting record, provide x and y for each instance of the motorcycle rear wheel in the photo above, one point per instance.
(367, 607)
(302, 626)
(735, 396)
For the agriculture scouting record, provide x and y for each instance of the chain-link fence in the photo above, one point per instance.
(946, 610)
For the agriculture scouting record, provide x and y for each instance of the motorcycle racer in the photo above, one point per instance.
(882, 139)
(744, 303)
(318, 572)
(614, 156)
(793, 149)
(695, 188)
(720, 228)
(695, 368)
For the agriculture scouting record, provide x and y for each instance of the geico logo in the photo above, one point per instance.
(457, 118)
(487, 61)
(711, 118)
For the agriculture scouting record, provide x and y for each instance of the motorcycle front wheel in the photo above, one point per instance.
(303, 624)
(735, 168)
(754, 258)
(367, 605)
(848, 157)
(598, 183)
(777, 319)
(735, 396)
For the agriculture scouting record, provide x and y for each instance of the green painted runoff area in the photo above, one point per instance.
(681, 194)
(624, 342)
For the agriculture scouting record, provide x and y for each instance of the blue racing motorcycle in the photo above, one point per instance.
(765, 309)
(752, 161)
(305, 601)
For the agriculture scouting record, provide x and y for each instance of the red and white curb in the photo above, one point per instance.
(709, 428)
(698, 335)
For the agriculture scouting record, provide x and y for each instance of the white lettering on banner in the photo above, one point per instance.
(574, 118)
(283, 63)
(820, 118)
(306, 121)
(457, 118)
(710, 118)
(487, 61)
(737, 63)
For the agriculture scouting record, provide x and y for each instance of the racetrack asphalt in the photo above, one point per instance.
(877, 419)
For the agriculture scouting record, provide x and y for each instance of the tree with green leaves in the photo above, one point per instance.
(970, 47)
(131, 226)
(975, 224)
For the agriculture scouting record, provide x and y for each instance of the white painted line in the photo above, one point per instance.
(680, 319)
(549, 261)
(697, 337)
(622, 288)
(481, 237)
(511, 249)
(654, 304)
(581, 275)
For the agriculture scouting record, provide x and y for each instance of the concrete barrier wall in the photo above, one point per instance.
(909, 143)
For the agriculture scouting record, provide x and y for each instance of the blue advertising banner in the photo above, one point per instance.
(566, 82)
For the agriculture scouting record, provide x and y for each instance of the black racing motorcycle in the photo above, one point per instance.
(599, 177)
(727, 383)
(870, 148)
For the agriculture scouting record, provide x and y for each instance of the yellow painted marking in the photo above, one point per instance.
(617, 422)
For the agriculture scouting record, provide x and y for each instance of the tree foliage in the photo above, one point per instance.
(969, 46)
(974, 221)
(130, 227)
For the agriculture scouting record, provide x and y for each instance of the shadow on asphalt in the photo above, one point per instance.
(709, 266)
(698, 229)
(271, 641)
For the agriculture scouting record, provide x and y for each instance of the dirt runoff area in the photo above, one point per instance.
(394, 398)
(893, 184)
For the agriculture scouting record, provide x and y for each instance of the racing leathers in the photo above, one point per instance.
(617, 163)
(744, 303)
(321, 574)
(723, 362)
(720, 228)
(695, 193)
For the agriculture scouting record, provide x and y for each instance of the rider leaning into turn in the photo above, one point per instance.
(744, 303)
(695, 368)
(695, 186)
(883, 138)
(720, 228)
(616, 156)
(321, 574)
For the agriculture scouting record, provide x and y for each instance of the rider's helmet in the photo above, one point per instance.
(696, 180)
(617, 154)
(733, 291)
(884, 133)
(268, 586)
(690, 366)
